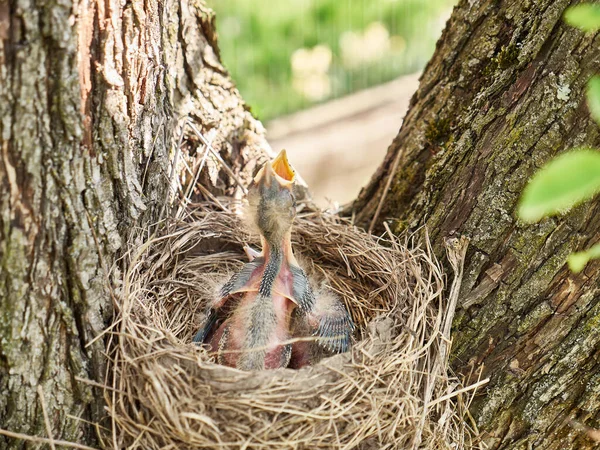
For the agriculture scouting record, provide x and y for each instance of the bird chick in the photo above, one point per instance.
(249, 324)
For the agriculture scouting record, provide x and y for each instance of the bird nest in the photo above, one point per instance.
(392, 391)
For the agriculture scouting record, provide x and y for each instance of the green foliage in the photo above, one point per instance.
(593, 98)
(566, 181)
(585, 16)
(577, 261)
(257, 39)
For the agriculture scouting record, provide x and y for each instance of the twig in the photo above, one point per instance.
(198, 170)
(201, 166)
(471, 387)
(216, 155)
(176, 159)
(388, 183)
(42, 440)
(151, 152)
(46, 419)
(98, 385)
(212, 198)
(173, 169)
(89, 422)
(456, 250)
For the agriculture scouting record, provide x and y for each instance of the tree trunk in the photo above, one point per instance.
(503, 94)
(93, 96)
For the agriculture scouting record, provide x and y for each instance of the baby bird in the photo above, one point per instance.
(249, 324)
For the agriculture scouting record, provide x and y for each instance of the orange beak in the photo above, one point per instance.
(279, 169)
(282, 167)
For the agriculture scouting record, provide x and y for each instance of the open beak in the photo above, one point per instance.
(281, 166)
(279, 170)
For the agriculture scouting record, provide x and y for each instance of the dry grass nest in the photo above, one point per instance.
(392, 391)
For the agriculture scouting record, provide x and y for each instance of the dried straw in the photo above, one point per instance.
(393, 391)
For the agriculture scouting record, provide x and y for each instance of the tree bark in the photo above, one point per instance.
(503, 94)
(93, 97)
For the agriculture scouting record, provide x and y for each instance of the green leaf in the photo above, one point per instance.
(586, 17)
(564, 182)
(593, 98)
(577, 261)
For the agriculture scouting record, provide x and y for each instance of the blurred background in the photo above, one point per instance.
(330, 79)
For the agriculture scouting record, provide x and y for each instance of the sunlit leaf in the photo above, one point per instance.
(564, 182)
(593, 98)
(586, 17)
(577, 261)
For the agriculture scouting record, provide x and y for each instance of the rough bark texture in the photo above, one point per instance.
(93, 96)
(502, 95)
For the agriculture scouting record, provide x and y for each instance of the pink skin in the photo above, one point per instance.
(237, 327)
(283, 312)
(237, 324)
(301, 355)
(284, 284)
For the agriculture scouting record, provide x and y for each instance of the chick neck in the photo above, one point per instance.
(276, 254)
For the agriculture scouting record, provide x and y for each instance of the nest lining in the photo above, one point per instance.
(393, 390)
